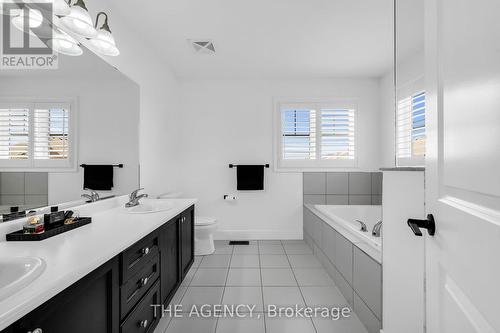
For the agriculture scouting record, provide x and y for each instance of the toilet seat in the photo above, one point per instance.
(203, 221)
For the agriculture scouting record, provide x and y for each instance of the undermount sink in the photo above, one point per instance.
(149, 206)
(17, 273)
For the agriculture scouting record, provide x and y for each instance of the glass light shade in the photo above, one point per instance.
(59, 7)
(79, 22)
(105, 44)
(35, 19)
(64, 44)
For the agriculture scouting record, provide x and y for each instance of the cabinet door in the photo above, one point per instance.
(89, 305)
(187, 239)
(169, 254)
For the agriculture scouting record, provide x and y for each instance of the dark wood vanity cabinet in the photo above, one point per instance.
(170, 259)
(117, 297)
(90, 305)
(187, 240)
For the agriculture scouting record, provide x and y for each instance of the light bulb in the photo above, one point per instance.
(79, 22)
(64, 44)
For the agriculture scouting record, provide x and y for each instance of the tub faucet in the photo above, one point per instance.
(376, 229)
(93, 196)
(363, 225)
(134, 198)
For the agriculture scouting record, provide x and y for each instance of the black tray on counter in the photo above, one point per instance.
(20, 236)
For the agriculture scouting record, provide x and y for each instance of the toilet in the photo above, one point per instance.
(204, 228)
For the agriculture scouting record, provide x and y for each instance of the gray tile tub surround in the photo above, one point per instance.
(357, 275)
(24, 188)
(342, 188)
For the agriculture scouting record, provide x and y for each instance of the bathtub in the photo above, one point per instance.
(343, 219)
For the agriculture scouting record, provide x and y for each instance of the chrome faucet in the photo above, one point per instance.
(363, 225)
(376, 229)
(134, 198)
(92, 197)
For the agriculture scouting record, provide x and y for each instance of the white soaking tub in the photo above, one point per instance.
(343, 219)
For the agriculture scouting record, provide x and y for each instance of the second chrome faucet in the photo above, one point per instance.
(134, 198)
(375, 230)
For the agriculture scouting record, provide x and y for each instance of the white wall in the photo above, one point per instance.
(387, 120)
(230, 121)
(409, 70)
(108, 131)
(159, 102)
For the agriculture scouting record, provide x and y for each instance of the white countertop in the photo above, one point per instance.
(74, 254)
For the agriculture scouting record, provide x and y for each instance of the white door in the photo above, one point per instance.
(463, 165)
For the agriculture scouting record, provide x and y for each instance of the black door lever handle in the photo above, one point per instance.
(428, 224)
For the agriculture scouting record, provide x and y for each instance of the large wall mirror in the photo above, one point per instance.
(54, 121)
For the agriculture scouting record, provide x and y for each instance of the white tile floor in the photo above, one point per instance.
(281, 273)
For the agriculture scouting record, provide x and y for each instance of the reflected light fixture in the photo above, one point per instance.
(34, 16)
(63, 43)
(79, 21)
(104, 42)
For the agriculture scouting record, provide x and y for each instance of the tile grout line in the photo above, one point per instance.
(225, 284)
(298, 286)
(185, 291)
(262, 287)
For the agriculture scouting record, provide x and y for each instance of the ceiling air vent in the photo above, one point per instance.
(203, 46)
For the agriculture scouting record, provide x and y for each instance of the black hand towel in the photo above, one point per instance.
(98, 177)
(250, 177)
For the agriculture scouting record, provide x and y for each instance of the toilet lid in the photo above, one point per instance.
(203, 220)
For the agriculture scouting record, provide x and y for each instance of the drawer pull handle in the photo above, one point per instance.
(144, 281)
(145, 251)
(143, 323)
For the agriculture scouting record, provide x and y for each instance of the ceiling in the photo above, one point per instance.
(268, 38)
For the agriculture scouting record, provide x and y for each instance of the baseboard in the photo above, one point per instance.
(256, 234)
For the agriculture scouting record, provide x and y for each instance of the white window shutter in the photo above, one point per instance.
(51, 133)
(14, 135)
(337, 134)
(410, 130)
(316, 135)
(37, 136)
(298, 134)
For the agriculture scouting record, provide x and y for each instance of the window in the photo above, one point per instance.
(37, 136)
(315, 135)
(411, 134)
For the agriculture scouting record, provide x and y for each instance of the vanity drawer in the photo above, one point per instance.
(135, 257)
(134, 288)
(143, 319)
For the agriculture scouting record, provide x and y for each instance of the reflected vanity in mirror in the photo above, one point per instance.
(54, 123)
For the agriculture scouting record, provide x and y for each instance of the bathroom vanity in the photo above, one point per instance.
(115, 296)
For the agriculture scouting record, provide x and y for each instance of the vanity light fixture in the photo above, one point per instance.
(79, 21)
(36, 20)
(34, 16)
(104, 42)
(63, 43)
(59, 7)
